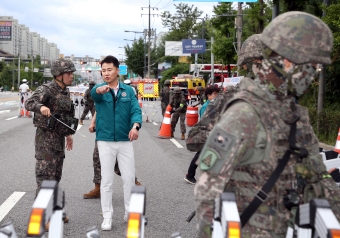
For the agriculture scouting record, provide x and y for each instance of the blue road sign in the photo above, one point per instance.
(123, 69)
(193, 46)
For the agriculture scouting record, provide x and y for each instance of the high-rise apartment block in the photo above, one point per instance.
(17, 39)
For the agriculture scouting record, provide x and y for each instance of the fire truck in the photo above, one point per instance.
(220, 71)
(188, 84)
(147, 88)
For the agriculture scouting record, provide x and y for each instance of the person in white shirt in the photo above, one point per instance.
(23, 89)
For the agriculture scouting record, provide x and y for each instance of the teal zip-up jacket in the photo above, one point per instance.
(115, 115)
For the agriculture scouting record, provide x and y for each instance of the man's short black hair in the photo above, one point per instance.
(210, 90)
(110, 59)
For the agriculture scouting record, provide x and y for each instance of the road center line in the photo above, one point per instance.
(176, 143)
(79, 126)
(6, 207)
(11, 118)
(155, 123)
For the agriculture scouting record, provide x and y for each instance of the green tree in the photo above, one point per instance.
(174, 71)
(135, 56)
(182, 25)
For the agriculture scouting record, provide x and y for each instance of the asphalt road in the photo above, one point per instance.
(160, 165)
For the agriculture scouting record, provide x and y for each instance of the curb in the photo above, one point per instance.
(325, 146)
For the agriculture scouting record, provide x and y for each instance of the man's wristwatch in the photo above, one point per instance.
(136, 127)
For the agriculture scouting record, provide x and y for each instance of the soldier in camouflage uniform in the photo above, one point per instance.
(52, 99)
(165, 96)
(251, 52)
(243, 149)
(179, 107)
(89, 103)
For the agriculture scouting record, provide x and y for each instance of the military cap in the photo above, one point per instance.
(177, 90)
(61, 66)
(251, 50)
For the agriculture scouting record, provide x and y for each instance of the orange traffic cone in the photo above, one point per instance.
(165, 131)
(22, 112)
(337, 144)
(140, 101)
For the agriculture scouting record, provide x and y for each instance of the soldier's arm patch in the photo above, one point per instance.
(218, 146)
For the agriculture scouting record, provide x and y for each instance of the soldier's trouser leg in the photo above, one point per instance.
(182, 122)
(163, 106)
(174, 120)
(86, 110)
(193, 166)
(93, 110)
(96, 165)
(49, 168)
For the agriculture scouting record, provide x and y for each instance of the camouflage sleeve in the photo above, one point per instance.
(86, 95)
(37, 100)
(183, 100)
(213, 112)
(228, 143)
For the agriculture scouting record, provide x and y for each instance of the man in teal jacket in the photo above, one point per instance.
(118, 120)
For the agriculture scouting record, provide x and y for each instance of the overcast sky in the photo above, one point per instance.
(90, 27)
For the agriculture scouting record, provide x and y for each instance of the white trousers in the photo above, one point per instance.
(108, 152)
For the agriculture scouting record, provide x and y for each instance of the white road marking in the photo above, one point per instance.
(176, 143)
(11, 118)
(6, 207)
(155, 123)
(79, 126)
(4, 111)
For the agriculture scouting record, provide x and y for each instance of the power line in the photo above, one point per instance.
(167, 5)
(158, 3)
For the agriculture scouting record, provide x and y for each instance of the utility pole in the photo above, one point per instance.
(212, 78)
(149, 36)
(239, 27)
(276, 9)
(19, 62)
(321, 92)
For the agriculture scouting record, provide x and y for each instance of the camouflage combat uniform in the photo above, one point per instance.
(202, 97)
(49, 144)
(176, 100)
(89, 104)
(165, 96)
(244, 147)
(96, 165)
(209, 118)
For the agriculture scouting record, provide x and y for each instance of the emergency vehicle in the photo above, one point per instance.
(188, 84)
(220, 71)
(148, 88)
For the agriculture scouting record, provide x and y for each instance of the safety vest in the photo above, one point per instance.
(61, 107)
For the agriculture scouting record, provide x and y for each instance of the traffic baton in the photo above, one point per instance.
(67, 126)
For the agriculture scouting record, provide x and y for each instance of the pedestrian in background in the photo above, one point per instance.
(89, 103)
(179, 108)
(165, 96)
(118, 120)
(211, 93)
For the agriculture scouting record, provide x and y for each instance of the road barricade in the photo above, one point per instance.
(192, 115)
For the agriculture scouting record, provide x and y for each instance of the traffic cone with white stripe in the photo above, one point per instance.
(165, 131)
(337, 144)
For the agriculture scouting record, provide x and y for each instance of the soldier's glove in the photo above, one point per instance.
(52, 120)
(180, 109)
(172, 111)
